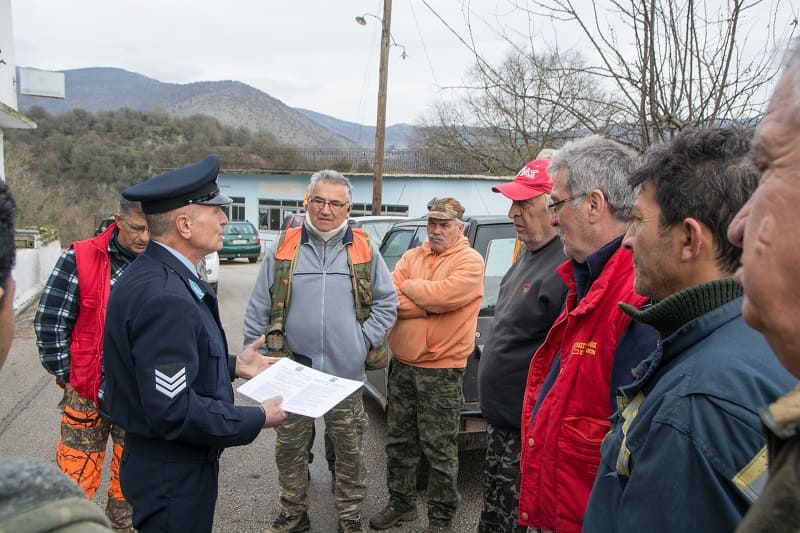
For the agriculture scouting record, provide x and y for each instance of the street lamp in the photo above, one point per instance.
(362, 20)
(383, 75)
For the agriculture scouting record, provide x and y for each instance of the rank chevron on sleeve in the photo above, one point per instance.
(170, 381)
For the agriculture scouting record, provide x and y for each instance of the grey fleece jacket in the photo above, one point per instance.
(321, 319)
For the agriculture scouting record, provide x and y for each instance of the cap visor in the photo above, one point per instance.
(220, 199)
(514, 191)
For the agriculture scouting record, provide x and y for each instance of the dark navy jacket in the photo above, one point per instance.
(167, 369)
(686, 453)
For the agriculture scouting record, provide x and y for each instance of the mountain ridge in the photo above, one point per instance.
(233, 103)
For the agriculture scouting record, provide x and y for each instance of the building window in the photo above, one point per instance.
(236, 213)
(360, 210)
(272, 212)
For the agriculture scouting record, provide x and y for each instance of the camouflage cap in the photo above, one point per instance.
(445, 209)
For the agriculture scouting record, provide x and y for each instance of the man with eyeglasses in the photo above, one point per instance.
(321, 330)
(592, 347)
(69, 333)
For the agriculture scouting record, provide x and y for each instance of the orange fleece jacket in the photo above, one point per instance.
(440, 296)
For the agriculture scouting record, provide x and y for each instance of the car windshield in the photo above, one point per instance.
(239, 229)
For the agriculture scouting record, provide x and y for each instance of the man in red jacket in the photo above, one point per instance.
(592, 347)
(69, 333)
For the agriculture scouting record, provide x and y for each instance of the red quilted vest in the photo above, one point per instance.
(94, 286)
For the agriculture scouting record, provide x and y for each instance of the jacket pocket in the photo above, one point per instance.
(210, 361)
(578, 461)
(580, 442)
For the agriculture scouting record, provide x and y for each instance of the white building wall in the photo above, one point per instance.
(8, 89)
(474, 193)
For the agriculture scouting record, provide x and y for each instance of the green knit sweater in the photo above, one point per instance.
(671, 313)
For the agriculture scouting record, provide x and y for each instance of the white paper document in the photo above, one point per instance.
(305, 391)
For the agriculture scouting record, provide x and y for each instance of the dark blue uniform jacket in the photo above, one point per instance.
(167, 369)
(686, 452)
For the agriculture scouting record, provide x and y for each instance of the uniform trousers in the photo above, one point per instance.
(424, 408)
(172, 487)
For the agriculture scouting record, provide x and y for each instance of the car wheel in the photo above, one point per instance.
(252, 259)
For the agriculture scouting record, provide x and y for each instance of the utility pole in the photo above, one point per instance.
(380, 127)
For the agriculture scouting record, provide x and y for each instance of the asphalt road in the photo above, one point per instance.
(248, 492)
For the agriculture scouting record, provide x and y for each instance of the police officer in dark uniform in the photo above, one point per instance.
(167, 369)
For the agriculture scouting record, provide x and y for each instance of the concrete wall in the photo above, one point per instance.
(33, 268)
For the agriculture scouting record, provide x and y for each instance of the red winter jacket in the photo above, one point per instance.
(561, 446)
(94, 285)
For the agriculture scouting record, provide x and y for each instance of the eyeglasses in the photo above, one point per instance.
(555, 207)
(320, 203)
(138, 230)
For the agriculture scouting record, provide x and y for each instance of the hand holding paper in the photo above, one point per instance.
(305, 391)
(274, 413)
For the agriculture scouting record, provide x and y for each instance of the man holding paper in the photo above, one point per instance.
(321, 330)
(167, 369)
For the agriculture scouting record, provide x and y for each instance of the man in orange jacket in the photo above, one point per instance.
(69, 333)
(439, 286)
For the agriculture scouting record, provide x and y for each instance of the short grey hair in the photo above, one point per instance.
(333, 177)
(160, 223)
(128, 208)
(596, 162)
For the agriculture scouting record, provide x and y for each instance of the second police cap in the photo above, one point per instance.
(193, 184)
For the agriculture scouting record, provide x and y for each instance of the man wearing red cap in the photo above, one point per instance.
(531, 297)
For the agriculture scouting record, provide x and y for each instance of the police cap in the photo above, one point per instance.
(195, 184)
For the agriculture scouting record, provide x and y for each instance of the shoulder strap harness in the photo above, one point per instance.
(359, 258)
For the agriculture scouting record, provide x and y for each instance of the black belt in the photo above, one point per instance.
(170, 451)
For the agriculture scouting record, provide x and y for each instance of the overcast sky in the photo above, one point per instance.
(306, 53)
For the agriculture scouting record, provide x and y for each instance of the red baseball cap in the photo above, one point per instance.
(530, 182)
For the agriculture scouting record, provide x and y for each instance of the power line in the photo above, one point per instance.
(424, 46)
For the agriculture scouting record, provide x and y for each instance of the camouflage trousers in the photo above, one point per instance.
(81, 453)
(345, 424)
(501, 483)
(424, 408)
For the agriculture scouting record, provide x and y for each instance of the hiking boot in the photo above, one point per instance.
(350, 525)
(333, 482)
(120, 514)
(391, 517)
(290, 524)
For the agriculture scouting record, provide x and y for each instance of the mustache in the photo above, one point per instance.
(433, 237)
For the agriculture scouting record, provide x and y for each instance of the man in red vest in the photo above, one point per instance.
(592, 346)
(69, 333)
